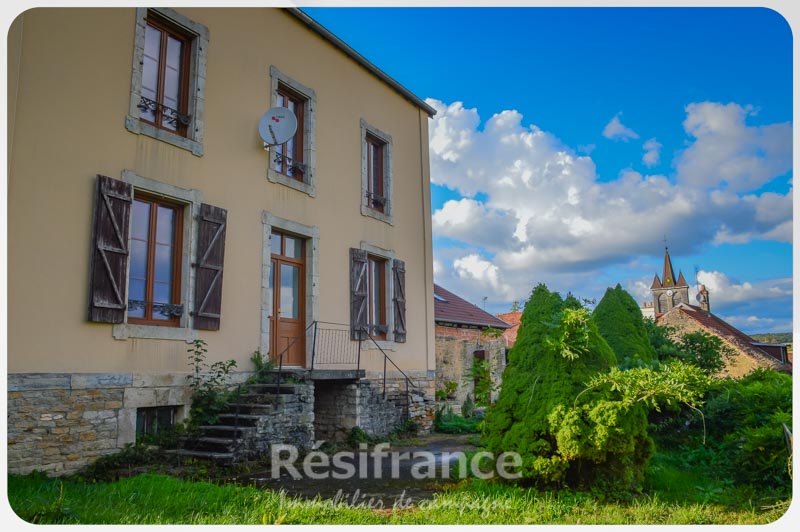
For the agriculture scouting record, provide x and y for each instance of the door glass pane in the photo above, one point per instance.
(294, 247)
(165, 224)
(272, 281)
(290, 292)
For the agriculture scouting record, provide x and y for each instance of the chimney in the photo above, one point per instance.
(705, 304)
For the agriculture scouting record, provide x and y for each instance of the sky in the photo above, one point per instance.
(570, 143)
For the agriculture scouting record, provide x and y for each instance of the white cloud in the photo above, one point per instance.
(751, 324)
(728, 153)
(652, 152)
(533, 210)
(615, 130)
(724, 291)
(470, 220)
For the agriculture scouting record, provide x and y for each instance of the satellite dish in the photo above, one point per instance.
(277, 126)
(699, 297)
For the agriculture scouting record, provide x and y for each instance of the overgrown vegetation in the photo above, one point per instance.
(210, 396)
(448, 422)
(159, 499)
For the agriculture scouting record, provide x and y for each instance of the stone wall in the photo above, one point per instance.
(292, 422)
(455, 352)
(60, 422)
(339, 406)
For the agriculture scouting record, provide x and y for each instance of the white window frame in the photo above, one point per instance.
(308, 185)
(388, 178)
(191, 199)
(388, 255)
(193, 141)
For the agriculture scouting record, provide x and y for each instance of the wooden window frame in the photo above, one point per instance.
(381, 263)
(372, 203)
(167, 29)
(300, 103)
(177, 256)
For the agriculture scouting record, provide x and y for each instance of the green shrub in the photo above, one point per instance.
(468, 408)
(208, 384)
(619, 321)
(264, 367)
(447, 422)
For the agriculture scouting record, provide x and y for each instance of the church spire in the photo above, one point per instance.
(668, 279)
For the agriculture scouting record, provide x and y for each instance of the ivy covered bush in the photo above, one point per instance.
(598, 440)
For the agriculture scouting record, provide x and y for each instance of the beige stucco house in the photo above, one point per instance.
(145, 213)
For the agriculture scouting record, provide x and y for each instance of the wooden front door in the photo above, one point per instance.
(287, 323)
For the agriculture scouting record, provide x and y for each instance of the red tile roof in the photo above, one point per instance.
(514, 318)
(722, 328)
(449, 308)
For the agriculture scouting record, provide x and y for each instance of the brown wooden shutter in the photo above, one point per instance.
(210, 260)
(108, 281)
(399, 276)
(359, 292)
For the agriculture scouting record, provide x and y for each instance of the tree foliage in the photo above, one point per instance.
(559, 350)
(620, 322)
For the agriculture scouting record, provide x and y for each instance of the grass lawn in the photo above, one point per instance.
(160, 499)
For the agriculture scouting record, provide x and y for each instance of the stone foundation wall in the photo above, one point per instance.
(335, 409)
(291, 423)
(60, 422)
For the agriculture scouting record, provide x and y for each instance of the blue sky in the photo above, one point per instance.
(570, 142)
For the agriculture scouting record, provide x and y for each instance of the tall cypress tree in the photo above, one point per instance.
(621, 323)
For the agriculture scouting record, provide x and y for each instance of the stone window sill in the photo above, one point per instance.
(382, 216)
(124, 331)
(306, 188)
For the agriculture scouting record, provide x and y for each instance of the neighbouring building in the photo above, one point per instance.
(466, 335)
(670, 307)
(145, 209)
(514, 319)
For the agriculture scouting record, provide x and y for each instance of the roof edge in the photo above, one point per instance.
(463, 322)
(360, 59)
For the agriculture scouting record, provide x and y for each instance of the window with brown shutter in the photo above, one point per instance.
(289, 155)
(376, 288)
(399, 278)
(210, 260)
(110, 250)
(376, 196)
(359, 292)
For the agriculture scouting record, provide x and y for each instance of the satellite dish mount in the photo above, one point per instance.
(277, 126)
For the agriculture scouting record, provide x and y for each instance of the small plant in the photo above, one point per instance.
(479, 374)
(468, 408)
(209, 396)
(264, 367)
(448, 422)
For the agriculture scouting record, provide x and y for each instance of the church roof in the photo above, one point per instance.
(681, 281)
(656, 283)
(720, 327)
(669, 274)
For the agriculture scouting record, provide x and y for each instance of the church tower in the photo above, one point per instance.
(668, 291)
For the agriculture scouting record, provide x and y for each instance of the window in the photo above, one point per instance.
(377, 297)
(376, 173)
(154, 419)
(165, 76)
(154, 279)
(289, 155)
(375, 186)
(168, 81)
(293, 163)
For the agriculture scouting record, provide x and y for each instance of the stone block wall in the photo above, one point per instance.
(455, 351)
(60, 422)
(335, 409)
(292, 422)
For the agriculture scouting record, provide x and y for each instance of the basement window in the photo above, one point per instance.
(154, 419)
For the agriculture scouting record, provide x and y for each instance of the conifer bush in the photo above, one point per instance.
(621, 323)
(599, 441)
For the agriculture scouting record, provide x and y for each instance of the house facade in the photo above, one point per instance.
(146, 213)
(467, 337)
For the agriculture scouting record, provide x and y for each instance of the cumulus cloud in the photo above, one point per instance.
(724, 291)
(652, 152)
(615, 130)
(751, 324)
(728, 153)
(533, 210)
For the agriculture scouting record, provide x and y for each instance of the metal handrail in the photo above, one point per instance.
(280, 355)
